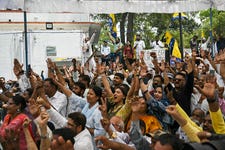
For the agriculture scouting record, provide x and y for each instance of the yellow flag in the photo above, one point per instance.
(202, 34)
(172, 44)
(112, 25)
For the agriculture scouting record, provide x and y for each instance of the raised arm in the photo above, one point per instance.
(59, 75)
(187, 127)
(31, 145)
(65, 90)
(45, 141)
(101, 71)
(209, 90)
(50, 66)
(129, 67)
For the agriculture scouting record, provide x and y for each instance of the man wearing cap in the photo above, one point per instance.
(139, 45)
(105, 52)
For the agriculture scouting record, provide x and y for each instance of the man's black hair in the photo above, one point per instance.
(78, 119)
(85, 78)
(159, 76)
(66, 133)
(169, 139)
(50, 80)
(119, 75)
(80, 84)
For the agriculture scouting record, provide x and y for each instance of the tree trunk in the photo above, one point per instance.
(130, 27)
(122, 27)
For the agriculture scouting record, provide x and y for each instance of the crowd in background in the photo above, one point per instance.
(117, 102)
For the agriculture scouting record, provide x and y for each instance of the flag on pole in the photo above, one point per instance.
(173, 45)
(112, 25)
(176, 16)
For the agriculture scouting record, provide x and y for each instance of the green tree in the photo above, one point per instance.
(218, 22)
(149, 25)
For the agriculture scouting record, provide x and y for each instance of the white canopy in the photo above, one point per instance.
(112, 6)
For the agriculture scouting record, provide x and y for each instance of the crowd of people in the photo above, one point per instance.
(117, 102)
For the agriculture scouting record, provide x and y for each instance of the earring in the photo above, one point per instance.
(18, 110)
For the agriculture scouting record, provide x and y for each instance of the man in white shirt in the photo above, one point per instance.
(105, 52)
(56, 99)
(77, 122)
(139, 45)
(204, 45)
(87, 51)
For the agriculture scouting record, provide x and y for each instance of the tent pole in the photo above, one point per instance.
(25, 39)
(181, 38)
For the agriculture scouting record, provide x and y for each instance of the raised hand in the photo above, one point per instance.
(162, 67)
(170, 96)
(103, 108)
(176, 115)
(135, 105)
(105, 124)
(209, 87)
(33, 108)
(44, 118)
(17, 68)
(203, 136)
(61, 144)
(50, 64)
(171, 109)
(26, 122)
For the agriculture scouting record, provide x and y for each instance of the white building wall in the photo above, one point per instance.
(12, 46)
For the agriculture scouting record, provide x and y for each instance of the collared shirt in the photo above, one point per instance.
(94, 116)
(83, 141)
(105, 50)
(59, 102)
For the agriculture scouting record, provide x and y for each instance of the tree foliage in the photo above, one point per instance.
(154, 25)
(218, 22)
